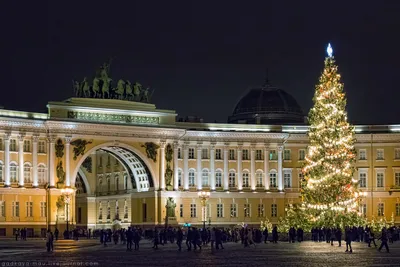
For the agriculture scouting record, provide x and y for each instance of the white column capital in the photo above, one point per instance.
(52, 139)
(35, 138)
(7, 136)
(176, 145)
(21, 137)
(68, 139)
(280, 148)
(240, 147)
(162, 144)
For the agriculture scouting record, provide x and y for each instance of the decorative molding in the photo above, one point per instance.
(151, 150)
(80, 147)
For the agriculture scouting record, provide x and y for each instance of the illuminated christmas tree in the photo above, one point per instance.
(329, 191)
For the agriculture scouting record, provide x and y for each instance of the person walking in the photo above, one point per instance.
(129, 238)
(49, 240)
(212, 237)
(348, 238)
(384, 239)
(275, 235)
(338, 235)
(179, 238)
(371, 238)
(265, 233)
(156, 239)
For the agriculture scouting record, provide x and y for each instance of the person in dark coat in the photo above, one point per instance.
(129, 238)
(348, 237)
(265, 233)
(179, 238)
(338, 236)
(275, 235)
(189, 238)
(156, 239)
(384, 239)
(136, 238)
(56, 233)
(371, 238)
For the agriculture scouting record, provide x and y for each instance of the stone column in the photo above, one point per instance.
(51, 140)
(162, 165)
(67, 166)
(176, 174)
(35, 140)
(212, 166)
(7, 182)
(226, 167)
(280, 174)
(199, 184)
(21, 160)
(239, 168)
(266, 168)
(185, 167)
(253, 168)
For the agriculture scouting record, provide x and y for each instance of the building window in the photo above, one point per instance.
(258, 154)
(362, 179)
(27, 146)
(179, 153)
(13, 173)
(1, 172)
(274, 210)
(218, 179)
(29, 209)
(362, 154)
(302, 154)
(1, 144)
(247, 210)
(260, 211)
(41, 147)
(246, 179)
(125, 210)
(397, 178)
(397, 153)
(41, 174)
(43, 209)
(273, 155)
(363, 209)
(381, 209)
(100, 212)
(15, 209)
(397, 209)
(204, 178)
(191, 153)
(181, 210)
(259, 178)
(179, 178)
(220, 210)
(218, 154)
(13, 145)
(27, 173)
(272, 179)
(2, 209)
(108, 184)
(379, 179)
(232, 179)
(287, 179)
(193, 211)
(191, 178)
(204, 153)
(380, 154)
(245, 155)
(233, 210)
(108, 211)
(144, 212)
(286, 154)
(231, 154)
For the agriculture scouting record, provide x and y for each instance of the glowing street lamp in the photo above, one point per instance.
(204, 196)
(67, 192)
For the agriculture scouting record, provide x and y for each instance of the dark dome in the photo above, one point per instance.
(267, 105)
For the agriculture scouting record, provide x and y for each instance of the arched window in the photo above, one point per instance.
(246, 180)
(259, 179)
(204, 178)
(27, 173)
(272, 179)
(232, 179)
(41, 174)
(179, 178)
(13, 172)
(218, 178)
(191, 178)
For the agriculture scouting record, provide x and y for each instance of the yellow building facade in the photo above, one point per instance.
(128, 161)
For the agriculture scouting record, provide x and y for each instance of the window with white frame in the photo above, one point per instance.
(218, 153)
(205, 178)
(181, 210)
(13, 172)
(204, 153)
(397, 153)
(208, 211)
(191, 153)
(27, 173)
(260, 211)
(2, 208)
(245, 154)
(302, 154)
(233, 210)
(100, 211)
(259, 179)
(192, 180)
(380, 154)
(27, 146)
(42, 147)
(220, 210)
(379, 179)
(397, 209)
(362, 154)
(362, 179)
(43, 209)
(363, 209)
(15, 208)
(193, 211)
(1, 172)
(41, 174)
(218, 179)
(258, 154)
(381, 209)
(286, 154)
(13, 145)
(245, 177)
(179, 153)
(287, 178)
(397, 178)
(29, 209)
(179, 178)
(247, 209)
(273, 155)
(274, 210)
(231, 154)
(272, 179)
(232, 179)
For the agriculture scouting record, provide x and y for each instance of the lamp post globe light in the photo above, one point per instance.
(204, 196)
(67, 192)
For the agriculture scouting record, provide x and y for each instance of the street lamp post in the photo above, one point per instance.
(67, 192)
(204, 196)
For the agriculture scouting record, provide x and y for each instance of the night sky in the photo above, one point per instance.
(202, 56)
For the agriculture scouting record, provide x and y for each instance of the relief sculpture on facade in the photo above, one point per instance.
(59, 147)
(151, 150)
(79, 147)
(169, 152)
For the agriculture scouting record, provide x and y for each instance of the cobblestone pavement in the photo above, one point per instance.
(90, 253)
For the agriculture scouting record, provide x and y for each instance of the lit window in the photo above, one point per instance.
(29, 209)
(191, 153)
(27, 173)
(258, 154)
(246, 179)
(193, 211)
(232, 179)
(397, 178)
(179, 178)
(362, 154)
(272, 179)
(27, 146)
(287, 179)
(15, 209)
(204, 153)
(231, 154)
(286, 154)
(302, 154)
(191, 178)
(274, 210)
(380, 154)
(13, 145)
(233, 210)
(379, 179)
(397, 153)
(13, 173)
(41, 147)
(218, 179)
(218, 154)
(220, 210)
(245, 154)
(259, 178)
(205, 178)
(273, 155)
(381, 209)
(362, 180)
(260, 211)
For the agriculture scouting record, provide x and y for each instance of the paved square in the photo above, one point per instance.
(91, 253)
